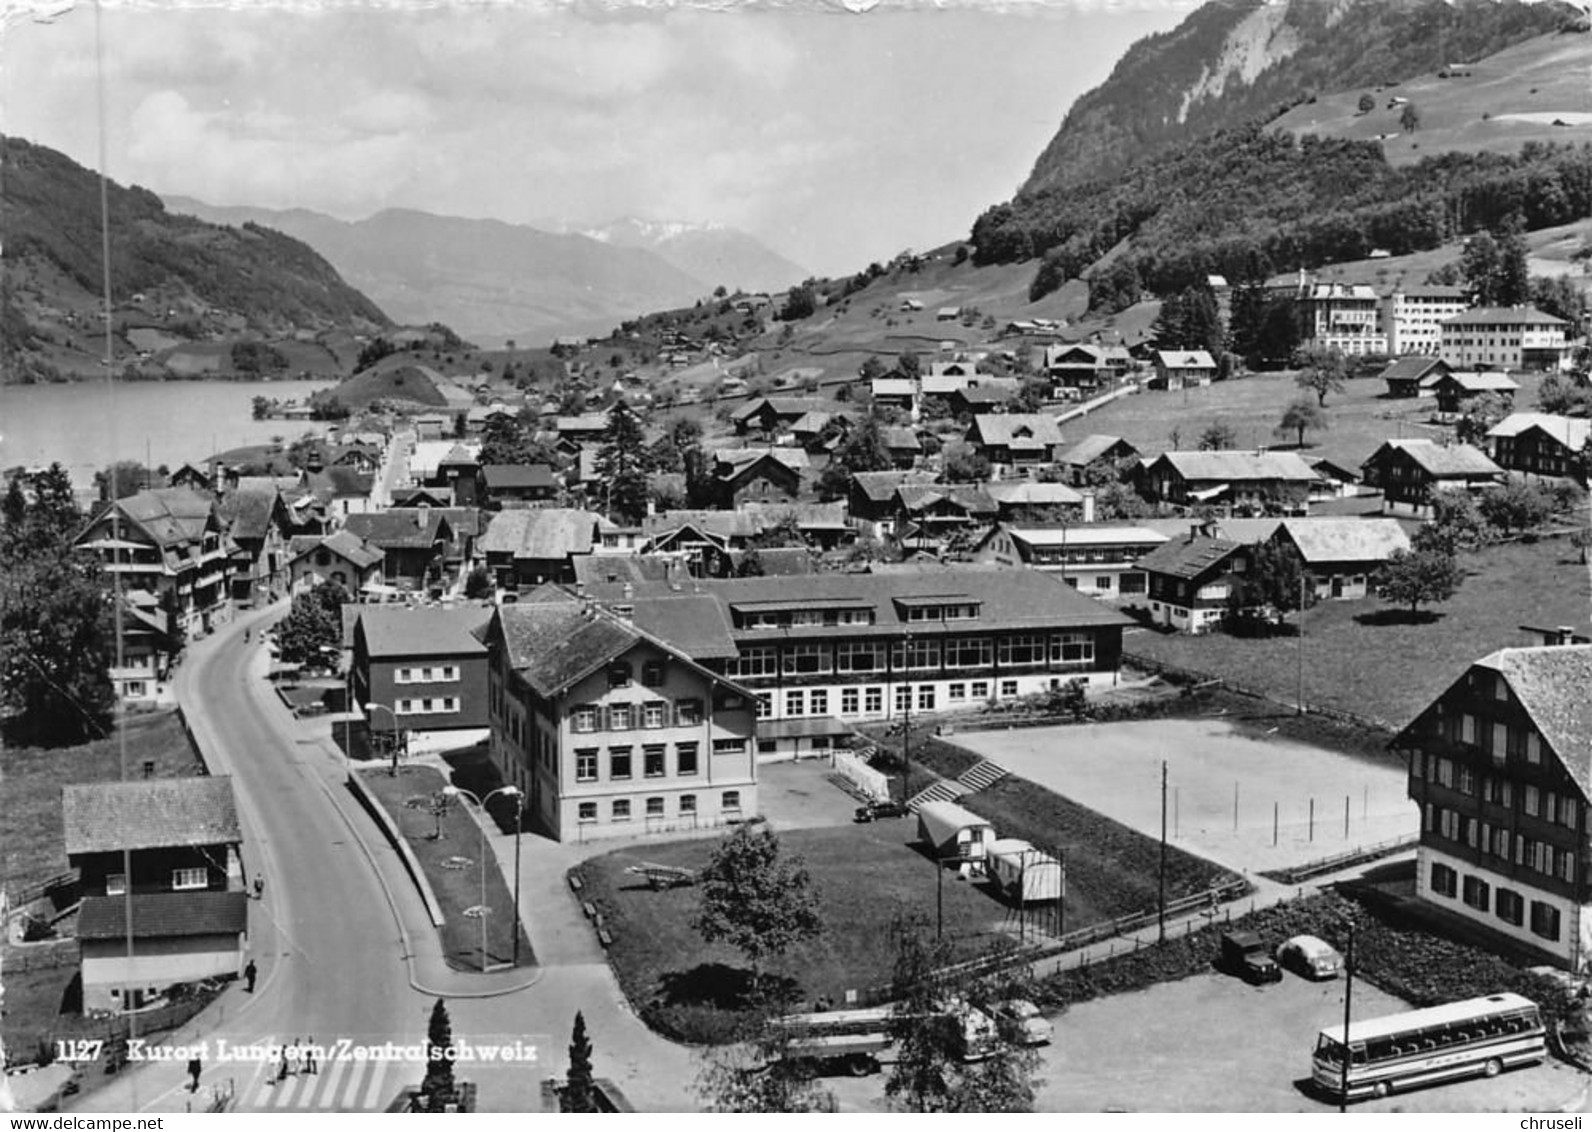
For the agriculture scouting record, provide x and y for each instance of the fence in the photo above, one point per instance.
(871, 782)
(1345, 860)
(21, 897)
(41, 956)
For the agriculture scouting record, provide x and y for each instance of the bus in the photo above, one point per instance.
(1476, 1037)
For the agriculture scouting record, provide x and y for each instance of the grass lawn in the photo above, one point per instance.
(1361, 418)
(1366, 657)
(866, 876)
(32, 837)
(452, 864)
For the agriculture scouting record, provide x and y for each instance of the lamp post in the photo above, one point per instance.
(396, 731)
(510, 791)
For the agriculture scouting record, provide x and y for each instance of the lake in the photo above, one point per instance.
(167, 422)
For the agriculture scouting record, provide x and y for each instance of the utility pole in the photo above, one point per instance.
(1348, 995)
(1161, 901)
(1301, 698)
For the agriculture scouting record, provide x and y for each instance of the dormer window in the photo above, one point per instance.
(619, 674)
(652, 673)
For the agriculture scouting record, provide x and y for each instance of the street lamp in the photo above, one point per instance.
(510, 791)
(397, 734)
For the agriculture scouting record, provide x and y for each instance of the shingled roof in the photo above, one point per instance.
(400, 527)
(1325, 540)
(164, 915)
(1237, 465)
(1016, 430)
(1090, 449)
(1189, 558)
(401, 631)
(549, 532)
(1454, 460)
(1551, 684)
(694, 623)
(153, 813)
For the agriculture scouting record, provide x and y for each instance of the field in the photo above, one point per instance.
(1503, 102)
(452, 863)
(1365, 657)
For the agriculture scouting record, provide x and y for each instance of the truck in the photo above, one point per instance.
(858, 1042)
(1246, 955)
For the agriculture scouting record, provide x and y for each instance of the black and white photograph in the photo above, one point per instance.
(796, 556)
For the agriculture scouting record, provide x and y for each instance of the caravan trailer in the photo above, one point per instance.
(953, 833)
(1024, 873)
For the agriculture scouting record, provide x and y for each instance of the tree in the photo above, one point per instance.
(312, 629)
(621, 463)
(1410, 118)
(863, 450)
(578, 1082)
(1456, 522)
(871, 368)
(1367, 103)
(908, 365)
(1300, 417)
(1516, 506)
(1189, 320)
(1477, 416)
(1513, 285)
(931, 1072)
(757, 898)
(1217, 436)
(479, 584)
(1274, 578)
(437, 1088)
(1478, 263)
(1322, 370)
(964, 464)
(1418, 577)
(1563, 397)
(1032, 395)
(765, 1073)
(801, 302)
(128, 477)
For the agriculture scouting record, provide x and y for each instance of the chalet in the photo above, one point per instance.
(258, 522)
(1084, 368)
(342, 557)
(769, 416)
(987, 395)
(820, 431)
(426, 668)
(1015, 440)
(871, 498)
(948, 314)
(341, 490)
(1095, 458)
(1026, 501)
(690, 532)
(1191, 580)
(900, 393)
(903, 445)
(608, 729)
(147, 649)
(580, 430)
(937, 509)
(192, 478)
(1180, 369)
(431, 426)
(743, 475)
(1101, 561)
(421, 497)
(1505, 338)
(1333, 479)
(1541, 444)
(945, 379)
(1257, 480)
(1415, 375)
(1499, 773)
(526, 547)
(172, 543)
(414, 542)
(459, 470)
(1410, 471)
(518, 483)
(184, 891)
(1341, 555)
(1454, 388)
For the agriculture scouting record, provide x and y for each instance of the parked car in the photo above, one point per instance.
(1021, 1022)
(1246, 955)
(879, 808)
(1310, 957)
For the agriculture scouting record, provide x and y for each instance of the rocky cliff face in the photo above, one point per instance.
(1235, 61)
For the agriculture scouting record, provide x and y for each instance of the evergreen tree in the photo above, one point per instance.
(1478, 263)
(621, 462)
(1513, 282)
(578, 1082)
(437, 1088)
(863, 450)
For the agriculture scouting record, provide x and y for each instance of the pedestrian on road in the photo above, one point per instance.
(281, 1073)
(259, 888)
(309, 1056)
(194, 1068)
(249, 974)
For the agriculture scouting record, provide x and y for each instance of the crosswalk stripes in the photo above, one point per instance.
(340, 1085)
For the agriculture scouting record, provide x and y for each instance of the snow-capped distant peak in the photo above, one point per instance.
(651, 231)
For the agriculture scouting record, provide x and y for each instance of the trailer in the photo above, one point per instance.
(1025, 874)
(954, 833)
(839, 1041)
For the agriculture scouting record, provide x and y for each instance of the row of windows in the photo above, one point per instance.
(1494, 840)
(620, 809)
(181, 879)
(815, 658)
(429, 674)
(654, 759)
(806, 618)
(1561, 809)
(427, 705)
(631, 717)
(1505, 903)
(621, 674)
(869, 701)
(1498, 740)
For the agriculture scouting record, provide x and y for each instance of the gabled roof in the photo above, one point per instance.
(990, 391)
(1188, 557)
(694, 623)
(589, 422)
(339, 481)
(900, 438)
(1572, 432)
(739, 459)
(164, 915)
(551, 532)
(502, 477)
(719, 524)
(880, 487)
(894, 387)
(460, 455)
(1246, 531)
(168, 516)
(400, 527)
(1185, 359)
(1413, 367)
(608, 572)
(392, 631)
(1028, 493)
(1457, 460)
(793, 407)
(1510, 316)
(972, 500)
(1091, 448)
(1326, 540)
(1016, 430)
(345, 544)
(151, 813)
(1237, 465)
(1551, 684)
(1085, 536)
(1480, 382)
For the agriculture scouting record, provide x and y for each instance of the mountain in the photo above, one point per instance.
(717, 255)
(486, 279)
(1235, 61)
(177, 269)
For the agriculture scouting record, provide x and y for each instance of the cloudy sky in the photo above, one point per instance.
(838, 134)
